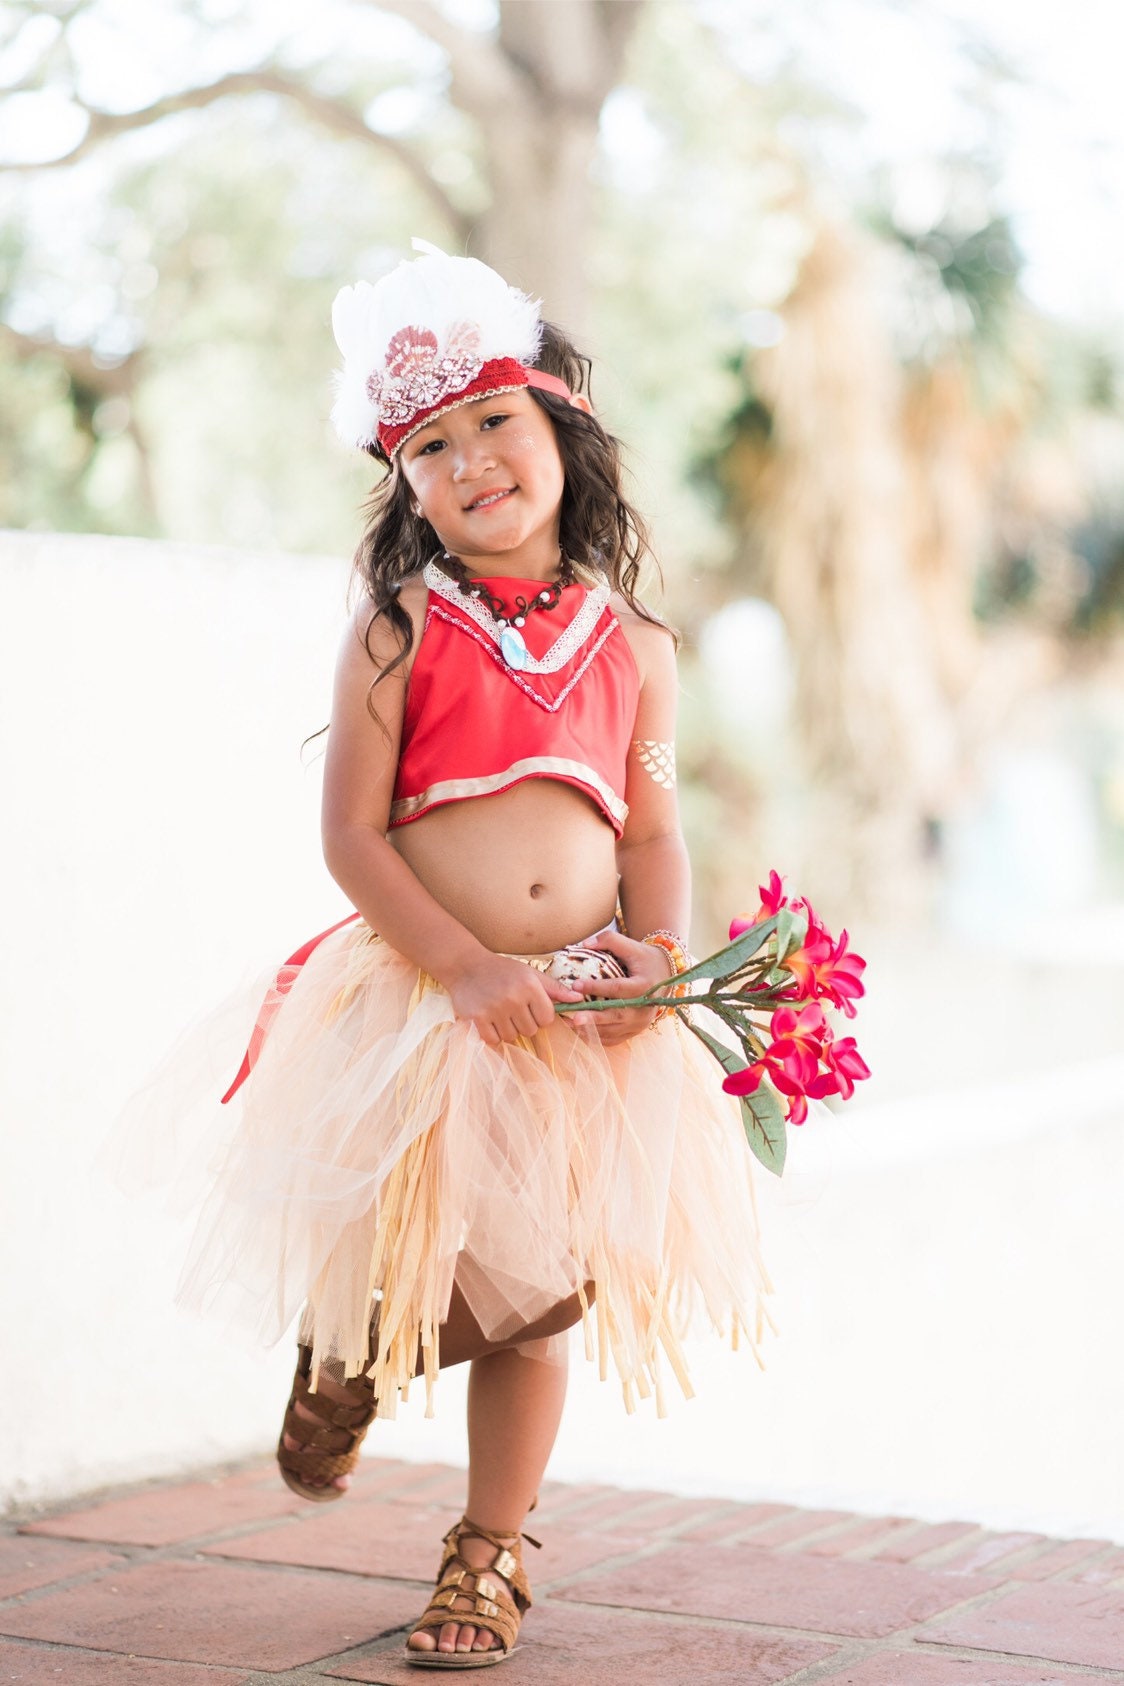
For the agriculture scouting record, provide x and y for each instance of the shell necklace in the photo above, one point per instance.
(513, 646)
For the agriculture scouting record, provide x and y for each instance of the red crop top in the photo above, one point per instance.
(475, 725)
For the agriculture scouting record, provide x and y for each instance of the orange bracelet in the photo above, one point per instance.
(678, 959)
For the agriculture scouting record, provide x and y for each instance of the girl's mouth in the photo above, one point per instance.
(487, 500)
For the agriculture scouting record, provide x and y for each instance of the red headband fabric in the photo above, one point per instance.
(549, 383)
(499, 374)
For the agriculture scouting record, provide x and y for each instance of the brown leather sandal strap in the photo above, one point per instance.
(340, 1413)
(309, 1438)
(504, 1629)
(471, 1596)
(507, 1562)
(491, 1609)
(496, 1611)
(502, 1542)
(361, 1383)
(327, 1432)
(311, 1461)
(304, 1357)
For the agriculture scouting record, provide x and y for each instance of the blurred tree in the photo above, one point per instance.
(904, 431)
(822, 490)
(532, 87)
(61, 400)
(971, 389)
(502, 158)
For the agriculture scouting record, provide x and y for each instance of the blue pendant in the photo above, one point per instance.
(512, 648)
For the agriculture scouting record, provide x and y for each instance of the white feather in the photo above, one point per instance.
(433, 291)
(354, 417)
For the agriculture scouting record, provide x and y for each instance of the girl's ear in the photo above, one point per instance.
(581, 402)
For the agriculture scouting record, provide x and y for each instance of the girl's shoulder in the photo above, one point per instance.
(411, 595)
(381, 631)
(410, 592)
(650, 640)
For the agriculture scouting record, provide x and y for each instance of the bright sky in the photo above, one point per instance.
(1057, 126)
(1057, 123)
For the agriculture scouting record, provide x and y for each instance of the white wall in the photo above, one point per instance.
(947, 1252)
(161, 846)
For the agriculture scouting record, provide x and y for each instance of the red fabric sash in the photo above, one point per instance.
(287, 975)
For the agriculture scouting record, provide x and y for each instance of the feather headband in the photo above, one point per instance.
(435, 333)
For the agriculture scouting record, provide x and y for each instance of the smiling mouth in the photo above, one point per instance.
(487, 499)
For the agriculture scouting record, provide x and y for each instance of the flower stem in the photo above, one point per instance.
(598, 1004)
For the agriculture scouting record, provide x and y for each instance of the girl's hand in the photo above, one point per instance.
(646, 966)
(506, 998)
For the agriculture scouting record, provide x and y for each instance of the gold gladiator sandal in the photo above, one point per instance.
(471, 1597)
(329, 1445)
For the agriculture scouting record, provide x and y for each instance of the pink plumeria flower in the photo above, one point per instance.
(746, 1081)
(798, 1039)
(842, 976)
(845, 1067)
(772, 896)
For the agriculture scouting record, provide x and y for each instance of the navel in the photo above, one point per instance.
(537, 889)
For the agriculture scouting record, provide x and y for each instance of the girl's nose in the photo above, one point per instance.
(473, 458)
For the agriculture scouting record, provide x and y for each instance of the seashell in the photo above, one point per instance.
(577, 963)
(513, 650)
(411, 349)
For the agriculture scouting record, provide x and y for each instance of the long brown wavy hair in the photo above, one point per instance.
(600, 531)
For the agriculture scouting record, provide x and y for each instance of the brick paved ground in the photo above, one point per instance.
(232, 1580)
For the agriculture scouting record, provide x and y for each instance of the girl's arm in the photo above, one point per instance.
(502, 997)
(655, 874)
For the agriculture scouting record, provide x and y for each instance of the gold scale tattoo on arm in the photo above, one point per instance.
(657, 760)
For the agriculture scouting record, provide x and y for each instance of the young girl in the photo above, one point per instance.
(442, 1168)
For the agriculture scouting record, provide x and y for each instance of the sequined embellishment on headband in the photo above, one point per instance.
(418, 376)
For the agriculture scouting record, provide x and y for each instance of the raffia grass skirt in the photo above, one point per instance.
(380, 1147)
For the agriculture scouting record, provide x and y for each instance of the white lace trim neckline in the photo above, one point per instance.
(565, 646)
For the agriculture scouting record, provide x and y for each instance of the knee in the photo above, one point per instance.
(568, 1311)
(560, 1317)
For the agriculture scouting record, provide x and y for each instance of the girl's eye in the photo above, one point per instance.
(431, 447)
(494, 420)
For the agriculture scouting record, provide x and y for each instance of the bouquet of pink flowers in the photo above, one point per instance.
(768, 986)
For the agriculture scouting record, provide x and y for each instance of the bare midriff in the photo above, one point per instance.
(526, 871)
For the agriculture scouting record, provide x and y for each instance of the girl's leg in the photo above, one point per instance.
(462, 1340)
(514, 1408)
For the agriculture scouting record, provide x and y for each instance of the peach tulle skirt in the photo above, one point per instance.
(379, 1147)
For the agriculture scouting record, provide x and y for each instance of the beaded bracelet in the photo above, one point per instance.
(677, 958)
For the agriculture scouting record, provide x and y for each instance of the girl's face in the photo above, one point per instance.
(488, 478)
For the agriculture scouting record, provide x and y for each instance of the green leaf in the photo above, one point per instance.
(735, 955)
(762, 1117)
(727, 1059)
(765, 1127)
(792, 928)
